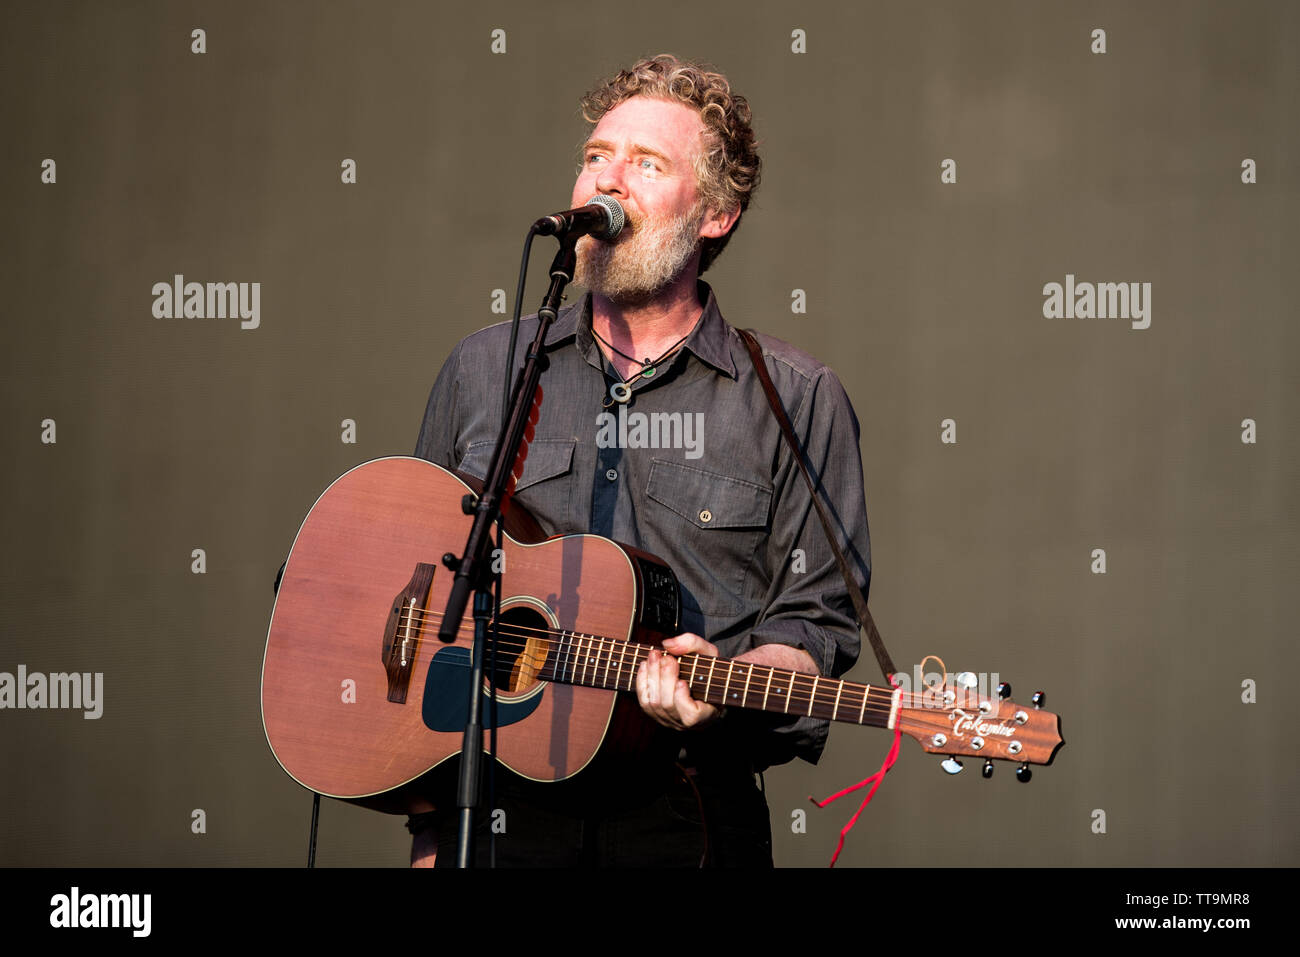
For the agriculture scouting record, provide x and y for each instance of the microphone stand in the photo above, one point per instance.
(473, 568)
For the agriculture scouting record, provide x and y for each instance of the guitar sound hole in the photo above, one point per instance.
(525, 635)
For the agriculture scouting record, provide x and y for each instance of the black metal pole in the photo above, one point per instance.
(315, 818)
(473, 568)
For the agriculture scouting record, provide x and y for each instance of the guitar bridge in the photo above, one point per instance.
(402, 633)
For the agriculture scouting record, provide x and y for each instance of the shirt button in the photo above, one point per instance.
(706, 516)
(611, 474)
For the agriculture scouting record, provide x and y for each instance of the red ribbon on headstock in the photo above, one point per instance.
(874, 781)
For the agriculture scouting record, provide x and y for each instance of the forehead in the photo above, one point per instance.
(670, 127)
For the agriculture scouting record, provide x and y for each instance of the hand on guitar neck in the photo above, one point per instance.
(664, 696)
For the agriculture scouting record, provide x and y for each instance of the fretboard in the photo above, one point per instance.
(596, 662)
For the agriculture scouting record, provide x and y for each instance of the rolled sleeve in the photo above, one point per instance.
(807, 604)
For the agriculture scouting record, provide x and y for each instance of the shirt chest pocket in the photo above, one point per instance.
(711, 524)
(545, 487)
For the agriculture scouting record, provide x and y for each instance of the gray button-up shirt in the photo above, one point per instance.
(692, 469)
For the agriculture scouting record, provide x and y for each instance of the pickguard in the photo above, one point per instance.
(446, 695)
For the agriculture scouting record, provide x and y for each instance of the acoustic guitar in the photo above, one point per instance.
(359, 696)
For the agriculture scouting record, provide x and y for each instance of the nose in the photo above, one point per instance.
(612, 179)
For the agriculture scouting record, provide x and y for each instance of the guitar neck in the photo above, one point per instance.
(596, 662)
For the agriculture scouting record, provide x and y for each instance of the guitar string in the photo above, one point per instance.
(516, 630)
(851, 692)
(624, 672)
(584, 656)
(802, 688)
(870, 706)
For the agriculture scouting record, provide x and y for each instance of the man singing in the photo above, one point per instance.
(727, 510)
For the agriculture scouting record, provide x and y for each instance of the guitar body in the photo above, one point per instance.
(361, 700)
(359, 697)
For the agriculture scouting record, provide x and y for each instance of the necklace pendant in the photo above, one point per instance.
(620, 392)
(647, 372)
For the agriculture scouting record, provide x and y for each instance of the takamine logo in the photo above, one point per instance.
(963, 722)
(179, 299)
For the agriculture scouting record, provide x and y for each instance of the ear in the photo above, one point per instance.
(718, 224)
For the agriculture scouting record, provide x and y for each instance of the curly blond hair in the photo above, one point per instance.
(727, 169)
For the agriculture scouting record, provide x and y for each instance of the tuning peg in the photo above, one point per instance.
(951, 765)
(1004, 690)
(966, 679)
(987, 770)
(1039, 699)
(1023, 773)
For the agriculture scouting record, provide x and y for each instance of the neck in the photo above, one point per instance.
(648, 328)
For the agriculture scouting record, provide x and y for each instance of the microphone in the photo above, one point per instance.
(601, 218)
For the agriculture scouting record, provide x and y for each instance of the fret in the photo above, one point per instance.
(561, 655)
(835, 711)
(788, 689)
(731, 667)
(862, 712)
(586, 659)
(631, 668)
(708, 683)
(768, 688)
(748, 675)
(812, 699)
(695, 662)
(606, 655)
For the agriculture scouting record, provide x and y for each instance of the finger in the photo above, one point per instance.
(689, 643)
(668, 679)
(652, 700)
(643, 683)
(650, 692)
(691, 710)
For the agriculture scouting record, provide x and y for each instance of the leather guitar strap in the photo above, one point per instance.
(855, 593)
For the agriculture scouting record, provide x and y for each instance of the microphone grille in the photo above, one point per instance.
(616, 218)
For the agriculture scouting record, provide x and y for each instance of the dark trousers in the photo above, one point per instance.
(699, 818)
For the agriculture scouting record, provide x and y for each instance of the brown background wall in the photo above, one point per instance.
(927, 298)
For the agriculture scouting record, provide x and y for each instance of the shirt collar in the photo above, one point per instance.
(709, 341)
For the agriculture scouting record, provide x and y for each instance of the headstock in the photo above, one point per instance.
(955, 719)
